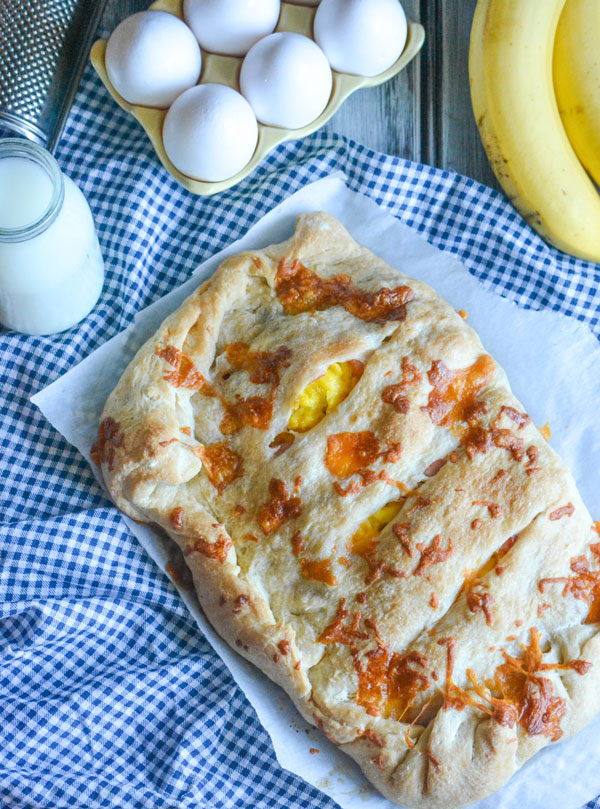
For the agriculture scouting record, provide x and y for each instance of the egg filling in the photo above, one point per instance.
(324, 394)
(374, 525)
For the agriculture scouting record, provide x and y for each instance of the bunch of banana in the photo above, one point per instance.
(577, 79)
(538, 140)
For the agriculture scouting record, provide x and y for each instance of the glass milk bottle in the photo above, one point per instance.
(51, 269)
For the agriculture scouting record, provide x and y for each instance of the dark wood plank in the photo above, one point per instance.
(458, 146)
(117, 10)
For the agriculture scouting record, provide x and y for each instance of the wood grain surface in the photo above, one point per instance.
(424, 113)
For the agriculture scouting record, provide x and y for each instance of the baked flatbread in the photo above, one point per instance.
(368, 513)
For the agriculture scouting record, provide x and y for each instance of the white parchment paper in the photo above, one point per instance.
(552, 363)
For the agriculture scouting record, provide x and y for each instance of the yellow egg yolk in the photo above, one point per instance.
(324, 395)
(374, 525)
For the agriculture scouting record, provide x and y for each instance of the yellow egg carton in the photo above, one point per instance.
(220, 69)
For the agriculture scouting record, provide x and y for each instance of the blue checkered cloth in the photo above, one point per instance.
(109, 694)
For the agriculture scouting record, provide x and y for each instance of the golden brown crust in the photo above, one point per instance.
(441, 652)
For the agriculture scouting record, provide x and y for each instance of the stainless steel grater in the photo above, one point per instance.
(44, 45)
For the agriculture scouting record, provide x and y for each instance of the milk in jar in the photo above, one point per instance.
(51, 268)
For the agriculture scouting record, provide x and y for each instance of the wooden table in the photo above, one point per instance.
(424, 113)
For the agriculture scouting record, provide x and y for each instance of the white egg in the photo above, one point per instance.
(287, 80)
(363, 37)
(210, 132)
(152, 57)
(231, 26)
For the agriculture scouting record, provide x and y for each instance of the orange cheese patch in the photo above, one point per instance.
(217, 550)
(480, 600)
(395, 395)
(341, 630)
(253, 411)
(583, 585)
(279, 509)
(316, 569)
(185, 374)
(563, 511)
(525, 697)
(263, 367)
(432, 554)
(389, 682)
(502, 710)
(222, 464)
(109, 439)
(454, 392)
(518, 680)
(281, 442)
(302, 290)
(348, 453)
(298, 546)
(176, 517)
(319, 570)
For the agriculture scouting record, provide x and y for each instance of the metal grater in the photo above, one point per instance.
(44, 46)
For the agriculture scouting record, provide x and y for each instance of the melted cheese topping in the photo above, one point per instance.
(454, 392)
(324, 395)
(301, 290)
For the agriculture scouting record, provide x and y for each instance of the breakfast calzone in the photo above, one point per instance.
(368, 513)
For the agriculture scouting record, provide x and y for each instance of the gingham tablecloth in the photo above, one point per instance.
(109, 694)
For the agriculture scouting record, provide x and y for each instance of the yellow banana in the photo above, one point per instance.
(510, 67)
(577, 79)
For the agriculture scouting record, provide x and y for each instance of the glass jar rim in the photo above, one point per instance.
(26, 149)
